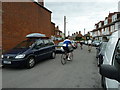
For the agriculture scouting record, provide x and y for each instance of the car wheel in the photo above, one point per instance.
(103, 84)
(30, 62)
(53, 55)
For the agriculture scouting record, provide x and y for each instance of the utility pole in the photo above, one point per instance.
(84, 31)
(64, 26)
(68, 33)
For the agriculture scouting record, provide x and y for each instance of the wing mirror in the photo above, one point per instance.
(117, 57)
(110, 72)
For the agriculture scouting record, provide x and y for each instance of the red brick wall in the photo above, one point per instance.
(22, 18)
(0, 24)
(52, 28)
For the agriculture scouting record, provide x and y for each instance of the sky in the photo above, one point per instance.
(80, 14)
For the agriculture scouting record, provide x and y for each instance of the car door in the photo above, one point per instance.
(39, 49)
(115, 62)
(46, 48)
(51, 45)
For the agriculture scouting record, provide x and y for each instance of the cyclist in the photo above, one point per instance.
(67, 46)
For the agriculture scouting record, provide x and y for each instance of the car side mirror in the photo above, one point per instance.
(110, 72)
(117, 57)
(118, 49)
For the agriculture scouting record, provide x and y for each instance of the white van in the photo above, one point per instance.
(110, 70)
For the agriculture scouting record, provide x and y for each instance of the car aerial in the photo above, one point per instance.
(96, 43)
(59, 48)
(110, 69)
(29, 52)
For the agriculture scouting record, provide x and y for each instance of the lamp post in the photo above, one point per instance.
(84, 31)
(64, 26)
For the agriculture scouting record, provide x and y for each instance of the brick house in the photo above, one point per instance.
(77, 36)
(22, 18)
(106, 27)
(58, 33)
(0, 25)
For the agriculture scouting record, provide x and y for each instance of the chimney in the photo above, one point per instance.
(41, 2)
(79, 32)
(58, 27)
(76, 32)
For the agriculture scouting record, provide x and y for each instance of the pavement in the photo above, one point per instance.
(82, 72)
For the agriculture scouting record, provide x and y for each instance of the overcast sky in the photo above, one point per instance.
(80, 14)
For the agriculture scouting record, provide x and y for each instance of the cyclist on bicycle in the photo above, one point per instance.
(67, 46)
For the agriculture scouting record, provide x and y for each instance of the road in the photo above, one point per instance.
(80, 73)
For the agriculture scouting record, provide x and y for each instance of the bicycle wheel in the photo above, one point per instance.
(63, 59)
(71, 56)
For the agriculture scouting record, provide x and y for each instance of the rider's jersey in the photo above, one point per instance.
(66, 42)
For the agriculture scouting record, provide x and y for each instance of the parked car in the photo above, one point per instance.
(59, 48)
(96, 43)
(110, 70)
(100, 53)
(29, 52)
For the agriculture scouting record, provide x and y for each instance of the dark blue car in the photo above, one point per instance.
(28, 52)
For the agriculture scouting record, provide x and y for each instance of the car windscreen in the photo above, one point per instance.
(25, 44)
(60, 44)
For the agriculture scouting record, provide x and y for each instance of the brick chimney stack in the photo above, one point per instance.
(41, 2)
(79, 32)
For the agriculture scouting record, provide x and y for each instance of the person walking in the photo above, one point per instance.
(89, 45)
(81, 44)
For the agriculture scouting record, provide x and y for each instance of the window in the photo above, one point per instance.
(46, 42)
(25, 44)
(51, 42)
(116, 58)
(40, 44)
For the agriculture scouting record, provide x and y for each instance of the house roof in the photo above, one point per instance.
(79, 35)
(42, 6)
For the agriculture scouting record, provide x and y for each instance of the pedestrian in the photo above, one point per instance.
(89, 45)
(81, 44)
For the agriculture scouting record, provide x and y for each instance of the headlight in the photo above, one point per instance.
(2, 56)
(20, 56)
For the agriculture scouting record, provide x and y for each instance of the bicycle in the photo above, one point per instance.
(64, 57)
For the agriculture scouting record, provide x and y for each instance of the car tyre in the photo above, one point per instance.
(53, 55)
(30, 62)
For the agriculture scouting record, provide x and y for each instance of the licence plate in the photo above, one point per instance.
(7, 62)
(58, 47)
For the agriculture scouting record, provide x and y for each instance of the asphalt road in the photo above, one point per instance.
(82, 72)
